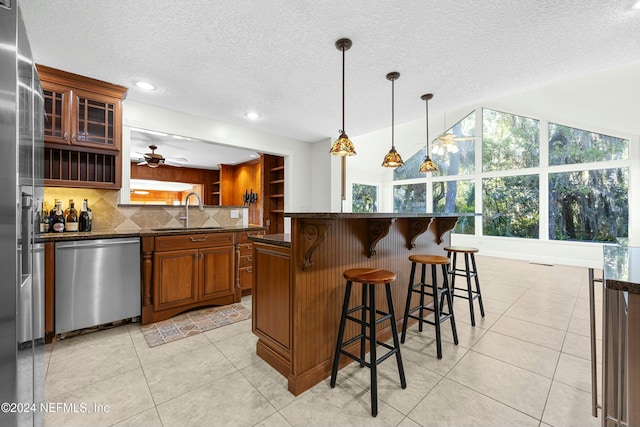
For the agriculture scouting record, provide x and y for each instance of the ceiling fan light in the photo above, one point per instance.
(343, 146)
(153, 165)
(392, 159)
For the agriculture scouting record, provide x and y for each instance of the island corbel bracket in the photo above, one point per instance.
(417, 226)
(442, 225)
(313, 233)
(376, 230)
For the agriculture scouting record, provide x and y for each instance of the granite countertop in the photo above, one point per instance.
(109, 234)
(331, 215)
(622, 268)
(283, 240)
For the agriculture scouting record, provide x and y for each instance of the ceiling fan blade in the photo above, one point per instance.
(142, 163)
(172, 162)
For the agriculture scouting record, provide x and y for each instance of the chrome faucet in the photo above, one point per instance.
(185, 218)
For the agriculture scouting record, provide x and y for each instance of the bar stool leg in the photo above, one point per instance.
(422, 286)
(454, 331)
(408, 304)
(373, 358)
(436, 309)
(469, 291)
(475, 270)
(343, 321)
(394, 334)
(363, 324)
(453, 275)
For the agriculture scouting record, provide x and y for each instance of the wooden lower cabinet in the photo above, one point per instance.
(188, 271)
(271, 302)
(216, 266)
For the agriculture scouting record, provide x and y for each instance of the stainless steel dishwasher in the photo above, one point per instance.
(97, 282)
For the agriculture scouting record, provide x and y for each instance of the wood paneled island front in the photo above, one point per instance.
(299, 288)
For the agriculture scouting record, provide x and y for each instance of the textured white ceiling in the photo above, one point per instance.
(220, 58)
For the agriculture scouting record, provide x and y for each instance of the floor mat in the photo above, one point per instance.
(193, 323)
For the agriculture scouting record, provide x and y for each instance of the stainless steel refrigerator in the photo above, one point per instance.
(21, 186)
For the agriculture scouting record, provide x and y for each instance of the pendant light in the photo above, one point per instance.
(392, 159)
(428, 165)
(343, 145)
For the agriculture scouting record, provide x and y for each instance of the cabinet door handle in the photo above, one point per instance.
(198, 240)
(249, 270)
(249, 259)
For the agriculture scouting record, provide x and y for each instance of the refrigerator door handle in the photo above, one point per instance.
(25, 232)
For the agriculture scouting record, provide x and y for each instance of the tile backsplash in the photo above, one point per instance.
(108, 215)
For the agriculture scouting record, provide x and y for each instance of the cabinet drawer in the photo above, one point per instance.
(193, 241)
(245, 261)
(245, 249)
(246, 277)
(244, 235)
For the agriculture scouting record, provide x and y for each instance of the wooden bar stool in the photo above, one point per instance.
(369, 278)
(469, 293)
(421, 289)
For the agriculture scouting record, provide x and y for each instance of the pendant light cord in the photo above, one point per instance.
(342, 88)
(393, 82)
(427, 123)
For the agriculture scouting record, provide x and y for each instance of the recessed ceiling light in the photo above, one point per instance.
(145, 85)
(253, 155)
(252, 115)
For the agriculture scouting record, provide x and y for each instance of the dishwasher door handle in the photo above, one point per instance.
(95, 243)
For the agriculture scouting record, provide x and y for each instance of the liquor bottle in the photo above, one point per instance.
(51, 213)
(44, 218)
(71, 218)
(57, 223)
(90, 212)
(84, 224)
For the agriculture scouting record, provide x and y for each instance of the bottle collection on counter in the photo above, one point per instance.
(58, 221)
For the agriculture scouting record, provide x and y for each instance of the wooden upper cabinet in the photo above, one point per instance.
(82, 131)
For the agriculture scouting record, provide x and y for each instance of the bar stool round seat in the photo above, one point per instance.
(438, 294)
(369, 317)
(468, 272)
(369, 275)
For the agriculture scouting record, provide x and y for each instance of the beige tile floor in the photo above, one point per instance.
(525, 364)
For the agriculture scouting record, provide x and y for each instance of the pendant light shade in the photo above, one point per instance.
(428, 165)
(392, 159)
(343, 145)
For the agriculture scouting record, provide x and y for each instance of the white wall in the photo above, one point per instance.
(297, 153)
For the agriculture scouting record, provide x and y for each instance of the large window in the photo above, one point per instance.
(410, 198)
(509, 141)
(456, 197)
(587, 204)
(456, 155)
(364, 198)
(584, 177)
(510, 206)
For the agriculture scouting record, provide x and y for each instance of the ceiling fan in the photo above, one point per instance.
(447, 141)
(153, 159)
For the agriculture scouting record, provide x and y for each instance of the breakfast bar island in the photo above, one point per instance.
(299, 287)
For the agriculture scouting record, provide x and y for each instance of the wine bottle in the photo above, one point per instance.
(71, 218)
(44, 218)
(51, 213)
(57, 222)
(90, 212)
(83, 222)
